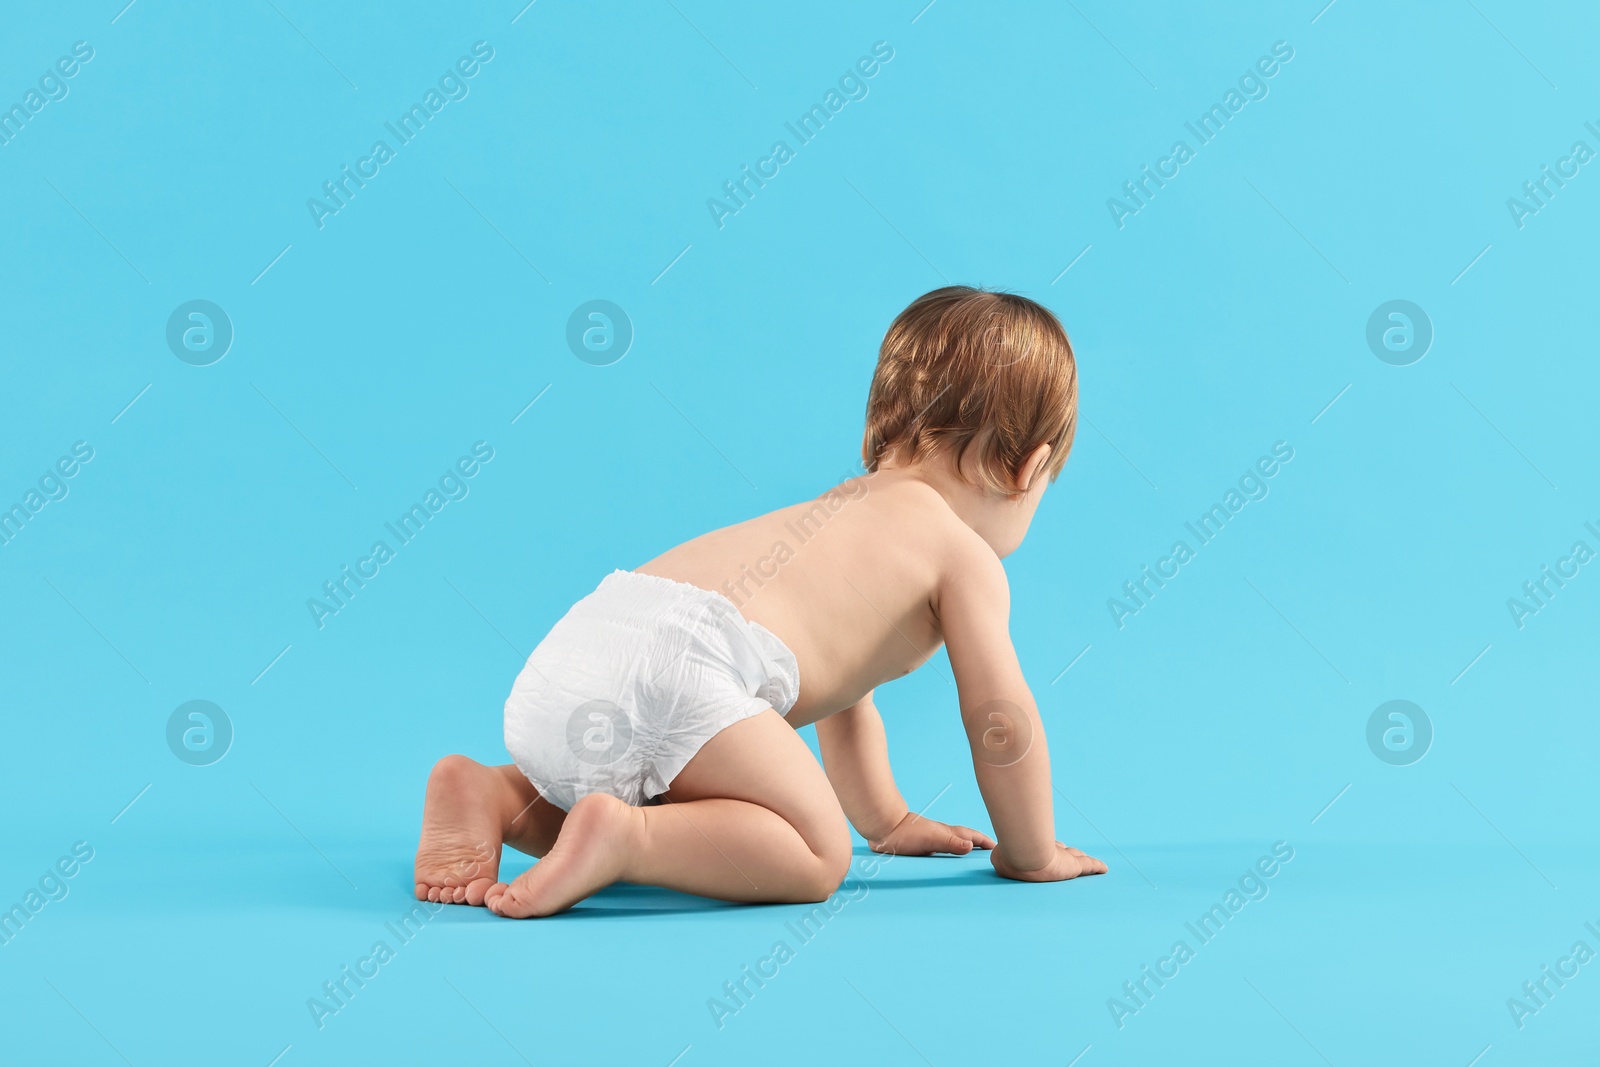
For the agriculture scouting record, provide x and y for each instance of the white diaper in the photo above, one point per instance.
(633, 681)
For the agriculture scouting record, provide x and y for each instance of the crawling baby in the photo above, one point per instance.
(653, 729)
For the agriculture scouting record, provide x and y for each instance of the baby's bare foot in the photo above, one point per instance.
(589, 855)
(458, 858)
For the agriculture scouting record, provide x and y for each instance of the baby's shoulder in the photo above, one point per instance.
(925, 525)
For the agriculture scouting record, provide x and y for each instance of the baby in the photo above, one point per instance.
(653, 729)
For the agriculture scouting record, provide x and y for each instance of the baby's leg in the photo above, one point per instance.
(470, 810)
(751, 818)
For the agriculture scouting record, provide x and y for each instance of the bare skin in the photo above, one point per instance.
(470, 811)
(753, 817)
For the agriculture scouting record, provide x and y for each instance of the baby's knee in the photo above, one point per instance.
(835, 868)
(831, 863)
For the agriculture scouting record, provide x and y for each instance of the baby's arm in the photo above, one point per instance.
(855, 754)
(1009, 753)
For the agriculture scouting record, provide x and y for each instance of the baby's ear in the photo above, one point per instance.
(1033, 468)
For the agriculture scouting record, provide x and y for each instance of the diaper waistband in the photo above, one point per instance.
(777, 681)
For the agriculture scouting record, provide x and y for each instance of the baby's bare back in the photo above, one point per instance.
(849, 581)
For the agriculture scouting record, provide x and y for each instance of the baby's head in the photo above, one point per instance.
(982, 381)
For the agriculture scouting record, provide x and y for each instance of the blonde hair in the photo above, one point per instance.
(968, 368)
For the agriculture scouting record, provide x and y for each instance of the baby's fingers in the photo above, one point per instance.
(1087, 864)
(955, 840)
(976, 837)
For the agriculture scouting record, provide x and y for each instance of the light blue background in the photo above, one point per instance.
(1224, 317)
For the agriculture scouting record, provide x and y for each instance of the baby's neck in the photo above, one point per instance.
(992, 516)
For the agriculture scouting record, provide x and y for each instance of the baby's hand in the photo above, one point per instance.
(1066, 863)
(916, 836)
